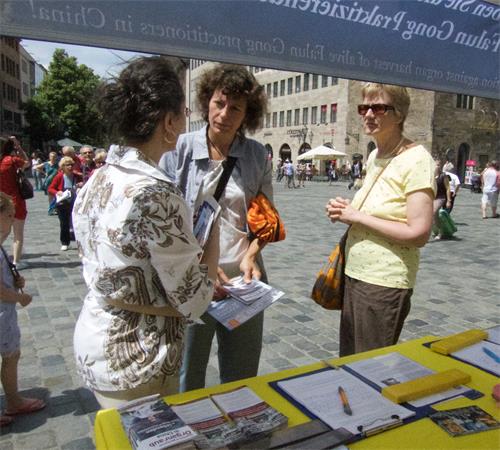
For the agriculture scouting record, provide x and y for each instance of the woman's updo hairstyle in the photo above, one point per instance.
(145, 91)
(233, 81)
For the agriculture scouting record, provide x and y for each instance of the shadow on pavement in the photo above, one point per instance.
(51, 265)
(77, 402)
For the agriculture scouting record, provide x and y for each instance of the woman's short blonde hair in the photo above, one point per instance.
(65, 160)
(399, 96)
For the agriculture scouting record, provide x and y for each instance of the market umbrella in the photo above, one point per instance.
(68, 141)
(322, 152)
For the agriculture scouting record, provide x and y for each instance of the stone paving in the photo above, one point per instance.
(457, 289)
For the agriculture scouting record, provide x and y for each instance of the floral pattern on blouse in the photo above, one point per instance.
(134, 234)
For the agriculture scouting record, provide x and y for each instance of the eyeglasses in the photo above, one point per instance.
(187, 112)
(379, 109)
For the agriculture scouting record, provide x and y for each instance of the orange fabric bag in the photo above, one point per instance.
(264, 220)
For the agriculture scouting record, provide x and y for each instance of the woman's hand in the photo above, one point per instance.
(250, 268)
(219, 291)
(19, 282)
(25, 299)
(340, 209)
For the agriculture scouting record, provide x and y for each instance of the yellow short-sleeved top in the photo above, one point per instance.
(370, 257)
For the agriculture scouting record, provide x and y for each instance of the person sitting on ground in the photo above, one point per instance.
(490, 185)
(11, 285)
(66, 183)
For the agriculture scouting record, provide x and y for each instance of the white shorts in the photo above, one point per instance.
(490, 198)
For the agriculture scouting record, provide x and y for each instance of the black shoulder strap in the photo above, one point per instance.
(12, 267)
(228, 166)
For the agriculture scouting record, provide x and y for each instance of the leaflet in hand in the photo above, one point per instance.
(151, 424)
(204, 219)
(245, 301)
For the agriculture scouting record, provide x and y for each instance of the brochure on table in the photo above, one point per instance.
(247, 300)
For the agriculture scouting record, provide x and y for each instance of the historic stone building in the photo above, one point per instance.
(308, 110)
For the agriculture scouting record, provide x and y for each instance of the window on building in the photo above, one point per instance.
(268, 120)
(282, 87)
(306, 82)
(275, 119)
(289, 118)
(324, 81)
(314, 115)
(3, 63)
(297, 83)
(268, 90)
(483, 160)
(275, 89)
(333, 112)
(465, 101)
(24, 66)
(282, 118)
(296, 117)
(290, 86)
(305, 116)
(315, 82)
(25, 89)
(335, 81)
(4, 90)
(322, 117)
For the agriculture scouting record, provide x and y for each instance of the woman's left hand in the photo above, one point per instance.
(340, 209)
(250, 268)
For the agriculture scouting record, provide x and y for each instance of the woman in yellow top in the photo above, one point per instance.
(382, 250)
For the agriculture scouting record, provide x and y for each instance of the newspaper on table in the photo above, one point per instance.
(251, 414)
(204, 219)
(215, 430)
(244, 302)
(152, 424)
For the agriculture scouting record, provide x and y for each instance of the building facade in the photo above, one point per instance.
(10, 80)
(308, 110)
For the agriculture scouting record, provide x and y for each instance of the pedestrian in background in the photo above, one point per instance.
(232, 102)
(454, 188)
(37, 175)
(12, 159)
(100, 158)
(382, 249)
(11, 285)
(141, 261)
(442, 199)
(64, 188)
(49, 169)
(490, 185)
(87, 162)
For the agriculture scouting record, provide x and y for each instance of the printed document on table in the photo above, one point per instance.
(318, 393)
(394, 368)
(475, 354)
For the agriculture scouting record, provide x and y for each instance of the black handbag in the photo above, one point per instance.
(25, 187)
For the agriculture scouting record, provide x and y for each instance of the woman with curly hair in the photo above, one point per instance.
(141, 261)
(232, 102)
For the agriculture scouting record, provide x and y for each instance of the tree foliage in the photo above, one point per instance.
(65, 103)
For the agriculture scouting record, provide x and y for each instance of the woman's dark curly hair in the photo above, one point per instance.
(234, 81)
(133, 103)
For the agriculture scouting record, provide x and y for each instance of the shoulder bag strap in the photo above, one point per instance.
(12, 267)
(373, 184)
(228, 166)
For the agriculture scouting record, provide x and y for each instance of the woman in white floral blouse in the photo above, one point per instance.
(141, 262)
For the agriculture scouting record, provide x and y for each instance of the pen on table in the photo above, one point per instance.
(491, 354)
(345, 401)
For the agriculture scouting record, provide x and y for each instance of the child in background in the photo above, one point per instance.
(10, 294)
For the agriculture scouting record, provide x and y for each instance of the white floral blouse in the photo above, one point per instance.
(134, 234)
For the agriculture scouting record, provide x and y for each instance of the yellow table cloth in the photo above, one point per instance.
(420, 434)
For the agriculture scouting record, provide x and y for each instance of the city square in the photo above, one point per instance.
(457, 289)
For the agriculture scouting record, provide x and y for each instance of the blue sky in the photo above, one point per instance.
(104, 62)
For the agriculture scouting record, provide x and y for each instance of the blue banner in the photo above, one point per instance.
(442, 45)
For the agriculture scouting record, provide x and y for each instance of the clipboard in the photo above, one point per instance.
(474, 394)
(362, 430)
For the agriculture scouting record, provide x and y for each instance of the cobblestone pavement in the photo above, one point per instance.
(457, 289)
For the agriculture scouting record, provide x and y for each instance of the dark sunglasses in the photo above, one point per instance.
(378, 109)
